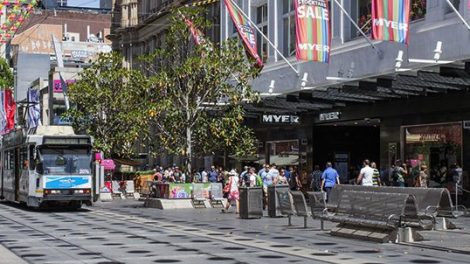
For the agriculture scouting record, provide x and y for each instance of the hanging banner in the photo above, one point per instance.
(245, 31)
(34, 109)
(390, 20)
(195, 33)
(3, 115)
(313, 32)
(9, 105)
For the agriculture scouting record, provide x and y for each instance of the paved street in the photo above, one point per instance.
(125, 232)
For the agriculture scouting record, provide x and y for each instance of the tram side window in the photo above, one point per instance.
(9, 160)
(6, 160)
(32, 162)
(24, 161)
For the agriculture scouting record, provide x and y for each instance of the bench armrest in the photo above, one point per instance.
(431, 210)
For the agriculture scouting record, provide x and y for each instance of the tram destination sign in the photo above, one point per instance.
(280, 119)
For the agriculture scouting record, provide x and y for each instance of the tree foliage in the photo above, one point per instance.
(204, 89)
(6, 75)
(110, 104)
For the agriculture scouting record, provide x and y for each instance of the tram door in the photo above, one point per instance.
(16, 169)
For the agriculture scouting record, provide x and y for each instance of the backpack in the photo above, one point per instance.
(259, 181)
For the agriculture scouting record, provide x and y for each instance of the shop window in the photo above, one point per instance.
(439, 147)
(286, 153)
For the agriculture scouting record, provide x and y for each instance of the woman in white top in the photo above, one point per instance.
(233, 194)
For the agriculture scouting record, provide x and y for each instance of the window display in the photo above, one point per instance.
(436, 147)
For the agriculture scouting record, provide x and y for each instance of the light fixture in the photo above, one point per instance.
(270, 92)
(349, 76)
(271, 86)
(438, 51)
(436, 59)
(304, 79)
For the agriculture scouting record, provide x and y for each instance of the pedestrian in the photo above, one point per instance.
(213, 174)
(366, 174)
(315, 184)
(251, 176)
(233, 194)
(398, 174)
(376, 175)
(330, 178)
(267, 181)
(204, 176)
(423, 177)
(281, 179)
(244, 177)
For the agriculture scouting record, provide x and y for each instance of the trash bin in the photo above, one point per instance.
(251, 202)
(273, 203)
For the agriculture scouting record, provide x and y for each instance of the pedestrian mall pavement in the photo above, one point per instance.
(273, 234)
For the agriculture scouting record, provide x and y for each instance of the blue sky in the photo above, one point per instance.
(84, 3)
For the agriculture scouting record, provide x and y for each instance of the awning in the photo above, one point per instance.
(128, 162)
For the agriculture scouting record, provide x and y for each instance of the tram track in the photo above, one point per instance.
(46, 235)
(141, 224)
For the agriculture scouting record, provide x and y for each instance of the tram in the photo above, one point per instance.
(50, 167)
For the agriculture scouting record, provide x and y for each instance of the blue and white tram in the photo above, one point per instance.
(51, 167)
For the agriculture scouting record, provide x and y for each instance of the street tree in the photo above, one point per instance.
(6, 75)
(204, 86)
(109, 103)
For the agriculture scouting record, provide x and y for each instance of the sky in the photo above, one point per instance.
(84, 3)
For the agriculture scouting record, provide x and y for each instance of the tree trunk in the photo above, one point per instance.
(189, 152)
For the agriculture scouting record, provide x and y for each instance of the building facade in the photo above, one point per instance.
(361, 104)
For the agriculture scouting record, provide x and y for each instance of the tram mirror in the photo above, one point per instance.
(39, 168)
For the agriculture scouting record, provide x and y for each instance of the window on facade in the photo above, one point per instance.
(262, 24)
(364, 11)
(456, 4)
(288, 18)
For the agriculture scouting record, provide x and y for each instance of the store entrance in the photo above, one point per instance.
(346, 145)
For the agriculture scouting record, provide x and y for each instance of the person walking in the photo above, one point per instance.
(366, 174)
(398, 174)
(233, 194)
(376, 176)
(281, 179)
(423, 177)
(315, 184)
(330, 177)
(213, 174)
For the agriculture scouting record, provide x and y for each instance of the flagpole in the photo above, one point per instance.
(458, 14)
(265, 37)
(358, 28)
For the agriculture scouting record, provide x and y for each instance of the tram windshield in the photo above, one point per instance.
(65, 161)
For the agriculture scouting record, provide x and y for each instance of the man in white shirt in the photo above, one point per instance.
(366, 174)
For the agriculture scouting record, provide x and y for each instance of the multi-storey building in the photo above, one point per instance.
(79, 36)
(362, 104)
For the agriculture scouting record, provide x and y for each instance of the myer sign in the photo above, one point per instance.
(281, 119)
(329, 116)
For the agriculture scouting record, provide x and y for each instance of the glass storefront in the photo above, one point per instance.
(438, 147)
(286, 153)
